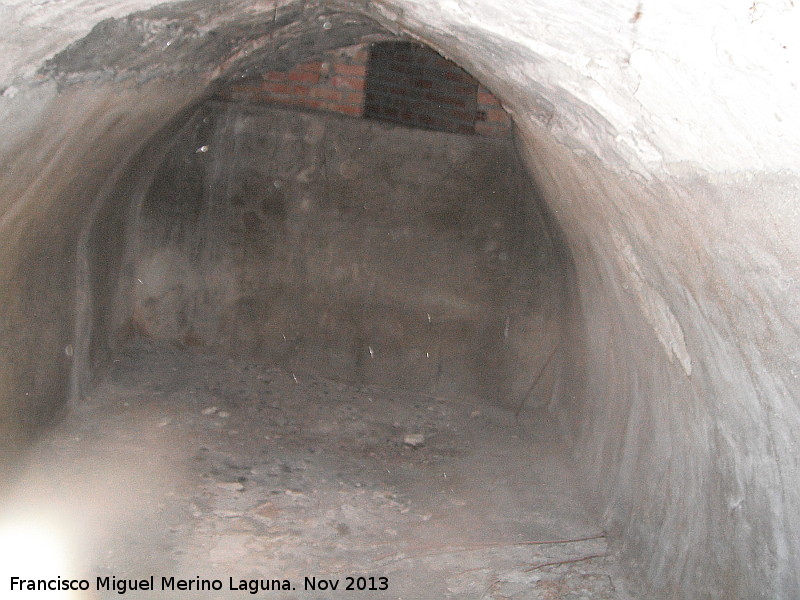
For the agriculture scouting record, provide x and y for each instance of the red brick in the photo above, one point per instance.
(351, 83)
(285, 90)
(326, 93)
(496, 115)
(310, 67)
(487, 97)
(362, 56)
(352, 70)
(275, 76)
(423, 83)
(353, 98)
(277, 88)
(300, 76)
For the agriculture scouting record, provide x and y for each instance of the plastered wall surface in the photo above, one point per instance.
(664, 140)
(366, 251)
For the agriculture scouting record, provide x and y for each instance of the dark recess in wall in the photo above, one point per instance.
(413, 85)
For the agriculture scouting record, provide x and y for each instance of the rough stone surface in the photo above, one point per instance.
(665, 141)
(307, 477)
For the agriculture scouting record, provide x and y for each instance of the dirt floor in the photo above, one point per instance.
(191, 466)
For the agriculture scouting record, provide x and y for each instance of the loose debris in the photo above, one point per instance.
(304, 476)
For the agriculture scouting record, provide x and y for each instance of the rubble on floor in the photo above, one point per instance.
(186, 465)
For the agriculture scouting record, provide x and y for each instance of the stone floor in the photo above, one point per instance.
(185, 465)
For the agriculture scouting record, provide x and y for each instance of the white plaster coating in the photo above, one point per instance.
(655, 308)
(32, 31)
(715, 83)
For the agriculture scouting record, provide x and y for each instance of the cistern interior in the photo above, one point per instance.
(399, 300)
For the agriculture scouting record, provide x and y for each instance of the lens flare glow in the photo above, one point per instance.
(34, 549)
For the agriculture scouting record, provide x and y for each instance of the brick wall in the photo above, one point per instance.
(491, 119)
(400, 82)
(335, 84)
(413, 85)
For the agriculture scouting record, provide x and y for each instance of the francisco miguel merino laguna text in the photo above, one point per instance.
(121, 586)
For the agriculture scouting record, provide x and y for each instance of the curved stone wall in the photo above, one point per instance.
(664, 140)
